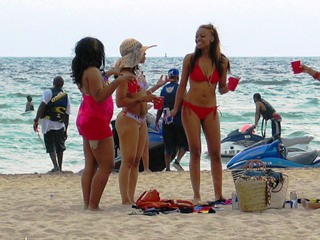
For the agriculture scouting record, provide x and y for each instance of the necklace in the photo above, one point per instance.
(206, 73)
(205, 69)
(209, 81)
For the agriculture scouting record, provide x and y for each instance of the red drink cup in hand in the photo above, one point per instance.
(233, 82)
(157, 103)
(296, 67)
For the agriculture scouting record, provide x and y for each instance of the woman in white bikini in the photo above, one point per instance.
(131, 121)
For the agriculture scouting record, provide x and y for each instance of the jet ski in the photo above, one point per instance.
(240, 139)
(156, 147)
(275, 155)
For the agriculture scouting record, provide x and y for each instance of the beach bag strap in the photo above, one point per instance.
(257, 168)
(255, 164)
(141, 196)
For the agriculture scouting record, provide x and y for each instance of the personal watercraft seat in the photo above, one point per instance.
(298, 140)
(306, 158)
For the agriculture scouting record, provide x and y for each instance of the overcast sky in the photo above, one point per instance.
(33, 28)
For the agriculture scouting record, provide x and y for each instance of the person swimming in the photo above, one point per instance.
(29, 104)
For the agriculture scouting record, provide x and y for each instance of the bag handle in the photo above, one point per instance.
(256, 163)
(282, 183)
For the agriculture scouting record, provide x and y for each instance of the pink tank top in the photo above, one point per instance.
(90, 108)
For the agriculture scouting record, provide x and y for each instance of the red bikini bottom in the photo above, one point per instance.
(201, 112)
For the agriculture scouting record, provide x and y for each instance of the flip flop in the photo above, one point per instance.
(222, 201)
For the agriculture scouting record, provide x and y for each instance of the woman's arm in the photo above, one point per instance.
(223, 88)
(182, 85)
(96, 86)
(310, 71)
(159, 84)
(122, 99)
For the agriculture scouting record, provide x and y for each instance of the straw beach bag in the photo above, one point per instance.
(276, 182)
(252, 194)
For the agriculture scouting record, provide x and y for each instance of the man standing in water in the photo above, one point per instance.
(268, 112)
(54, 111)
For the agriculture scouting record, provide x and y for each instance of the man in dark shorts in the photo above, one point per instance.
(54, 111)
(174, 137)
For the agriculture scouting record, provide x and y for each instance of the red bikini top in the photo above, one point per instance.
(198, 76)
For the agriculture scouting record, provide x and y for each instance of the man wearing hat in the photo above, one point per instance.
(174, 137)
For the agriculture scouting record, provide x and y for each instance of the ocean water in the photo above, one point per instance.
(295, 97)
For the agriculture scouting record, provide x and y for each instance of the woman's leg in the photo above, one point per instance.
(191, 124)
(88, 172)
(146, 157)
(143, 132)
(128, 132)
(211, 128)
(104, 155)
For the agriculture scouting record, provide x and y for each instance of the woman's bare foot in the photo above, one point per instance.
(95, 209)
(128, 203)
(196, 201)
(309, 205)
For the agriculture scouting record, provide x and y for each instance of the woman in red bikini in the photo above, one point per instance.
(131, 121)
(205, 69)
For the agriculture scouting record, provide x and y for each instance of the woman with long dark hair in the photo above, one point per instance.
(205, 69)
(94, 116)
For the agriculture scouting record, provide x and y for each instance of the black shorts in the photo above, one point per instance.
(174, 137)
(54, 141)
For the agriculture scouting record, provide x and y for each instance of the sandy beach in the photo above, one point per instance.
(49, 206)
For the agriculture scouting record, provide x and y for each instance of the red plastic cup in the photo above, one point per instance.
(133, 86)
(296, 67)
(158, 103)
(233, 82)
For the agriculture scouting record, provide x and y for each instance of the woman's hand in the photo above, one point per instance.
(223, 90)
(151, 98)
(173, 112)
(147, 98)
(305, 68)
(162, 81)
